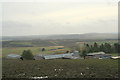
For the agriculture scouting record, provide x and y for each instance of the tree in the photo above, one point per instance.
(87, 45)
(84, 53)
(107, 48)
(96, 47)
(67, 51)
(101, 47)
(43, 49)
(91, 49)
(117, 47)
(27, 54)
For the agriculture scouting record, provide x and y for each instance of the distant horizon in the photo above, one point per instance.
(58, 34)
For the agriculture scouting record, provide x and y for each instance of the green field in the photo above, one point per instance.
(114, 54)
(35, 50)
(17, 47)
(60, 68)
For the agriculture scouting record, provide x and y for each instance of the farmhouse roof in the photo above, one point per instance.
(58, 56)
(14, 55)
(96, 53)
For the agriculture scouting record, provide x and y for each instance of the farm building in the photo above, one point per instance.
(98, 55)
(57, 56)
(115, 57)
(13, 56)
(74, 55)
(41, 56)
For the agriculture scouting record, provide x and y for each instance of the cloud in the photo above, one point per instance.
(59, 18)
(73, 15)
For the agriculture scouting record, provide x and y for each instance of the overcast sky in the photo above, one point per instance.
(44, 18)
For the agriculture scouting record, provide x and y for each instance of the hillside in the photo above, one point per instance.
(60, 68)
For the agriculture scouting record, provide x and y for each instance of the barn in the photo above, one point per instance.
(39, 56)
(74, 55)
(98, 55)
(58, 56)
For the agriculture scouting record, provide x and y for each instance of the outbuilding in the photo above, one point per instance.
(39, 56)
(74, 55)
(58, 56)
(100, 55)
(13, 56)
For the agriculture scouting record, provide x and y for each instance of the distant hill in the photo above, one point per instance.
(87, 36)
(65, 36)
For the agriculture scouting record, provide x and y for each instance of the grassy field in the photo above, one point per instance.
(16, 47)
(114, 54)
(61, 68)
(35, 50)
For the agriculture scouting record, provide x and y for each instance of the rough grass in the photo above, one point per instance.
(114, 54)
(61, 68)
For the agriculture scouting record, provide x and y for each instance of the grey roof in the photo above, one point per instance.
(96, 53)
(41, 54)
(71, 57)
(13, 56)
(76, 53)
(58, 56)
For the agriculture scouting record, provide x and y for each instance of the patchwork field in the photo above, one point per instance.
(51, 46)
(35, 50)
(60, 68)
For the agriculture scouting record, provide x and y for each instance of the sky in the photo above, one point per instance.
(48, 18)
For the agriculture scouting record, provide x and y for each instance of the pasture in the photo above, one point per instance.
(17, 47)
(35, 50)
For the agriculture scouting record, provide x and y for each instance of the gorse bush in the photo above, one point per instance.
(27, 54)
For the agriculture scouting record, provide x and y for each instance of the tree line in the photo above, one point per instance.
(106, 47)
